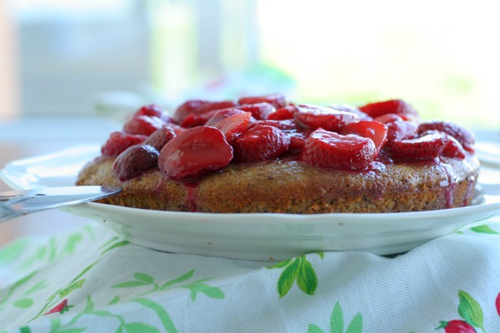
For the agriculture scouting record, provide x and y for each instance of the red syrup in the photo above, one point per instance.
(191, 201)
(450, 185)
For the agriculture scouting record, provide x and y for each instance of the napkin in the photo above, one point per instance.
(90, 280)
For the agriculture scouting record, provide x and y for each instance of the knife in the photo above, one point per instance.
(17, 203)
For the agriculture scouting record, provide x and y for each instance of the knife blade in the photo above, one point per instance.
(17, 203)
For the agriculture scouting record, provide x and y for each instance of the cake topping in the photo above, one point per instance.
(195, 152)
(119, 141)
(202, 135)
(260, 143)
(332, 150)
(134, 161)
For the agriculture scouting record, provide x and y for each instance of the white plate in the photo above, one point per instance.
(252, 236)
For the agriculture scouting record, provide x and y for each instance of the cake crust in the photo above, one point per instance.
(289, 186)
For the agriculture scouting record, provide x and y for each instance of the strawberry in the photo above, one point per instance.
(401, 130)
(194, 120)
(198, 107)
(260, 143)
(119, 141)
(351, 109)
(232, 122)
(456, 326)
(422, 148)
(396, 106)
(312, 116)
(388, 118)
(332, 150)
(154, 110)
(142, 124)
(278, 100)
(453, 149)
(60, 308)
(373, 130)
(462, 134)
(284, 113)
(284, 125)
(297, 141)
(194, 152)
(160, 138)
(134, 161)
(259, 111)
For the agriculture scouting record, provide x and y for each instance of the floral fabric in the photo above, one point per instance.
(92, 281)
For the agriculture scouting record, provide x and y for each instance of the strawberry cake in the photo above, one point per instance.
(265, 154)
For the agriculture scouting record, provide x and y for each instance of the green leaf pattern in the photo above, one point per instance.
(149, 291)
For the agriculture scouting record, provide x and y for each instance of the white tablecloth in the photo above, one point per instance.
(91, 281)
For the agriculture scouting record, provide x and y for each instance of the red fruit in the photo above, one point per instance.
(426, 147)
(332, 150)
(351, 109)
(388, 118)
(297, 141)
(160, 138)
(260, 143)
(312, 116)
(198, 107)
(134, 161)
(497, 304)
(373, 130)
(453, 149)
(119, 141)
(462, 134)
(283, 113)
(195, 152)
(259, 110)
(187, 108)
(278, 100)
(456, 326)
(284, 125)
(61, 308)
(396, 106)
(401, 130)
(194, 120)
(141, 124)
(154, 110)
(232, 122)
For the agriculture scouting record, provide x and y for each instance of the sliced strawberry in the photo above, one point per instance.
(278, 100)
(351, 109)
(284, 125)
(332, 150)
(135, 161)
(462, 134)
(160, 138)
(260, 143)
(453, 149)
(188, 107)
(396, 106)
(194, 152)
(388, 118)
(154, 110)
(194, 120)
(297, 140)
(232, 122)
(259, 111)
(401, 130)
(198, 107)
(119, 141)
(368, 129)
(284, 113)
(426, 147)
(141, 124)
(312, 116)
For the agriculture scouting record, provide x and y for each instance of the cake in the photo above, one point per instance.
(263, 154)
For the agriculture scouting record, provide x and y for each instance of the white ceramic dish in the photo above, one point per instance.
(252, 236)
